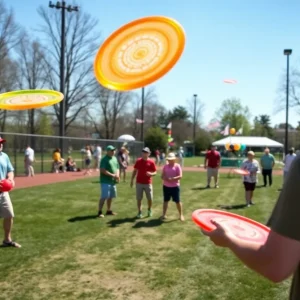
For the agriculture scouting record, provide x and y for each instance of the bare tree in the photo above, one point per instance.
(81, 45)
(294, 92)
(8, 39)
(112, 105)
(190, 104)
(150, 101)
(32, 75)
(8, 30)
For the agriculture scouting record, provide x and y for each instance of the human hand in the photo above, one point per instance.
(117, 178)
(149, 174)
(205, 167)
(221, 236)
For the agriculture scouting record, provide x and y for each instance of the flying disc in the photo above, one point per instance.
(232, 81)
(29, 99)
(6, 185)
(139, 53)
(242, 227)
(241, 172)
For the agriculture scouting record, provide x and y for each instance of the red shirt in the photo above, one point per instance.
(213, 158)
(144, 166)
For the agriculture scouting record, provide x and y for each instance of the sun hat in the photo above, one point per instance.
(171, 156)
(251, 153)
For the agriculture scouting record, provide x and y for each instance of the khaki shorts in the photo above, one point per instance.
(141, 188)
(6, 208)
(212, 172)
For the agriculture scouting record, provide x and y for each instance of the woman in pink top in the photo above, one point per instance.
(171, 175)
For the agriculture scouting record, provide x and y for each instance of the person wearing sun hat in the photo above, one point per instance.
(252, 166)
(171, 175)
(109, 176)
(6, 208)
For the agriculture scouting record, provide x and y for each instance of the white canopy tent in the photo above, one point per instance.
(249, 141)
(126, 138)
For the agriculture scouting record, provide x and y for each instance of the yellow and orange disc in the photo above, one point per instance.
(139, 53)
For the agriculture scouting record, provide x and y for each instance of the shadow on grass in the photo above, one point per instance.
(201, 188)
(117, 222)
(150, 223)
(82, 218)
(96, 182)
(231, 207)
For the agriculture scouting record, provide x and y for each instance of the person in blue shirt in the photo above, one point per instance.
(6, 208)
(267, 163)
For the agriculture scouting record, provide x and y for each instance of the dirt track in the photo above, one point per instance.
(48, 178)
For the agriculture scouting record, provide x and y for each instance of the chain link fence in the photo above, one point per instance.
(44, 146)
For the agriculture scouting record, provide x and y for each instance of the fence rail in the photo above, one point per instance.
(44, 145)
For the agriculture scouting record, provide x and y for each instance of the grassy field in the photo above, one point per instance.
(67, 253)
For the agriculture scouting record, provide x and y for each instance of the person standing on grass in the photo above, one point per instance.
(252, 166)
(28, 161)
(97, 157)
(6, 208)
(181, 156)
(109, 176)
(288, 162)
(212, 163)
(123, 162)
(88, 160)
(145, 169)
(267, 162)
(171, 175)
(279, 257)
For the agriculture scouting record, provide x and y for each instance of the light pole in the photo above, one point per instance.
(287, 52)
(142, 114)
(62, 107)
(195, 112)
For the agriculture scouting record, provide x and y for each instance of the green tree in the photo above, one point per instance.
(156, 138)
(44, 125)
(203, 141)
(232, 112)
(179, 113)
(262, 126)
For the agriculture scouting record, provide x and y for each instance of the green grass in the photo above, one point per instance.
(123, 258)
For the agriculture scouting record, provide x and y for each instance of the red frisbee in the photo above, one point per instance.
(6, 185)
(241, 172)
(242, 227)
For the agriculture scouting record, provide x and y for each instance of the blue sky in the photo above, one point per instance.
(236, 39)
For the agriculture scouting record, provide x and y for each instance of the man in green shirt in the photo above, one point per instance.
(267, 163)
(109, 176)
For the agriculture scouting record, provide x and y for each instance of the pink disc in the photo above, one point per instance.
(241, 172)
(232, 81)
(242, 227)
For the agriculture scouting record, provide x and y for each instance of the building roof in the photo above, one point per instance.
(250, 141)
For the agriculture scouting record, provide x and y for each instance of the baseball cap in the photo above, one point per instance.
(110, 148)
(2, 140)
(146, 150)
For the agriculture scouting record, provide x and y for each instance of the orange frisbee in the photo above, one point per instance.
(139, 53)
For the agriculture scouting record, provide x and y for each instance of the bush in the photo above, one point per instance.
(156, 138)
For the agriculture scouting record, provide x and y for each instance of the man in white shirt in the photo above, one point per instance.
(97, 156)
(28, 161)
(288, 162)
